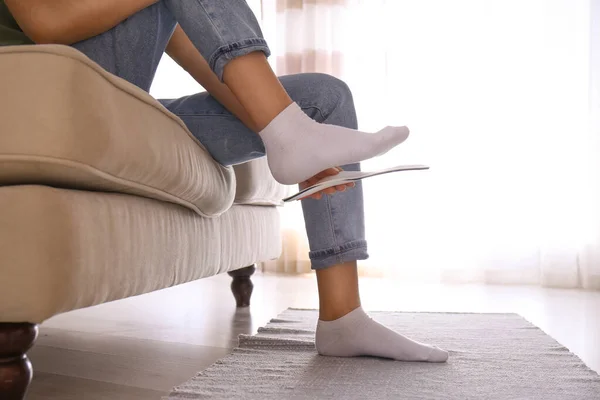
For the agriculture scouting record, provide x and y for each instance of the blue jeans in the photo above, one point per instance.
(221, 31)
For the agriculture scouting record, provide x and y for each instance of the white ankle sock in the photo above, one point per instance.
(356, 334)
(299, 148)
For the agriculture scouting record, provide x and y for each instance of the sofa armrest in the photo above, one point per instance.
(256, 185)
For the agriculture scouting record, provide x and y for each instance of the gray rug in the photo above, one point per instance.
(492, 356)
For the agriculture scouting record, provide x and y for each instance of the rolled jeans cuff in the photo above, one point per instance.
(351, 251)
(224, 54)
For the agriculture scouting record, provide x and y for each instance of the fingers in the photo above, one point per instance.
(328, 172)
(329, 191)
(321, 175)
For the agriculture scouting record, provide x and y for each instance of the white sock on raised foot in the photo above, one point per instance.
(299, 147)
(356, 334)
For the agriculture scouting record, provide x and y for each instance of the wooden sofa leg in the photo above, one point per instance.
(241, 286)
(15, 368)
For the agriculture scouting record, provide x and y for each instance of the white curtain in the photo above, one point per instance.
(502, 99)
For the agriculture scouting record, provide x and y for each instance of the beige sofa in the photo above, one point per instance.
(104, 194)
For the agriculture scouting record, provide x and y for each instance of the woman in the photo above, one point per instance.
(306, 124)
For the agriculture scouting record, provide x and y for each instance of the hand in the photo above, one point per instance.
(330, 190)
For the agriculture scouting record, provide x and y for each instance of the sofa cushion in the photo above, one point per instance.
(68, 249)
(66, 122)
(256, 185)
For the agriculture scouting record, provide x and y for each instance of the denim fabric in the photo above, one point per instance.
(223, 30)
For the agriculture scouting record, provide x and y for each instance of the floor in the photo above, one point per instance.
(140, 347)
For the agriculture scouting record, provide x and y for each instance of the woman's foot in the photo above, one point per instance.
(298, 147)
(356, 334)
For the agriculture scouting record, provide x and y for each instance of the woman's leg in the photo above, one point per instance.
(336, 232)
(228, 36)
(133, 49)
(334, 224)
